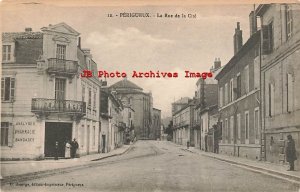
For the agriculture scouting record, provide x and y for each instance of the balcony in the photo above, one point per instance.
(46, 106)
(62, 67)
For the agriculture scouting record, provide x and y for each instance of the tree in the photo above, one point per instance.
(169, 129)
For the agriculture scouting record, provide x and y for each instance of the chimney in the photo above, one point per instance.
(238, 38)
(28, 29)
(252, 22)
(79, 42)
(217, 63)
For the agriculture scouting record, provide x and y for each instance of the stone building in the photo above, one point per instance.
(182, 124)
(156, 123)
(41, 94)
(205, 115)
(141, 103)
(280, 77)
(239, 99)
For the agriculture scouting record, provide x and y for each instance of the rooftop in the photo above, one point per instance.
(126, 84)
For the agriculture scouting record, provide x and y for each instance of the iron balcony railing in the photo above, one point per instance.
(62, 66)
(42, 105)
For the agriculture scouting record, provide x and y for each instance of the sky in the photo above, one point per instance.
(159, 44)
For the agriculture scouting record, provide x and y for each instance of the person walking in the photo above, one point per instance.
(290, 152)
(68, 150)
(74, 147)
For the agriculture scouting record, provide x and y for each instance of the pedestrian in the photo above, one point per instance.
(290, 152)
(56, 151)
(68, 150)
(74, 147)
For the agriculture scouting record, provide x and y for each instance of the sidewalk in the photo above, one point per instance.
(272, 169)
(11, 169)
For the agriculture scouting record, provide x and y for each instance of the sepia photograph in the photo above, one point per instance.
(150, 96)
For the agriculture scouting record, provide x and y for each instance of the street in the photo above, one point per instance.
(156, 166)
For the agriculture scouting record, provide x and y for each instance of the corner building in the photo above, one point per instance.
(43, 98)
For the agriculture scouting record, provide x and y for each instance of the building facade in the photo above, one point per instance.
(206, 96)
(280, 69)
(183, 133)
(41, 95)
(141, 103)
(239, 100)
(156, 123)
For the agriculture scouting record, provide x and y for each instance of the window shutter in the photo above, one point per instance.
(2, 89)
(10, 135)
(12, 89)
(265, 40)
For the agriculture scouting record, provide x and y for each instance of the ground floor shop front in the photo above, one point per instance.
(32, 137)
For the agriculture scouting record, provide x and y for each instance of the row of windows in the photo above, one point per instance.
(92, 98)
(268, 31)
(181, 118)
(234, 129)
(85, 132)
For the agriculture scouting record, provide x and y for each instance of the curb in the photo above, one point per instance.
(280, 175)
(38, 174)
(113, 155)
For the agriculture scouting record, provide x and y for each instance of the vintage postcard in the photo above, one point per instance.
(150, 96)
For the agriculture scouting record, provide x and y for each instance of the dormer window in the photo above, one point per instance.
(8, 52)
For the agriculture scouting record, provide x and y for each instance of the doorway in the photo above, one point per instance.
(103, 143)
(60, 132)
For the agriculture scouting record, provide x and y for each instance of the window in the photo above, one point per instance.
(271, 100)
(247, 126)
(231, 94)
(289, 21)
(267, 38)
(238, 86)
(7, 88)
(89, 66)
(4, 133)
(289, 92)
(256, 125)
(226, 130)
(238, 127)
(246, 83)
(221, 96)
(231, 133)
(94, 100)
(256, 77)
(226, 93)
(61, 52)
(60, 89)
(7, 53)
(93, 135)
(90, 98)
(129, 114)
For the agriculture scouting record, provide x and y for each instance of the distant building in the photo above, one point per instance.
(141, 103)
(182, 121)
(206, 113)
(179, 104)
(280, 74)
(156, 123)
